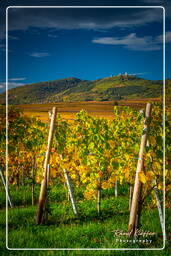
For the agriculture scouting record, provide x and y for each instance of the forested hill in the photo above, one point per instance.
(74, 89)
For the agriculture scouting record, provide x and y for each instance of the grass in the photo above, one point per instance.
(63, 230)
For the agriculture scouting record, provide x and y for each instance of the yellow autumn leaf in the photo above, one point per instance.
(142, 177)
(104, 185)
(73, 176)
(121, 179)
(84, 180)
(160, 186)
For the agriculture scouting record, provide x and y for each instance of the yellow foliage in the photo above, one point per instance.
(105, 185)
(142, 177)
(127, 173)
(168, 187)
(153, 141)
(73, 176)
(120, 179)
(38, 179)
(156, 166)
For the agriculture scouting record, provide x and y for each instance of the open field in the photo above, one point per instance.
(68, 109)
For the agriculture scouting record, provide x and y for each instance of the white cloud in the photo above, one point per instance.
(13, 84)
(22, 19)
(138, 74)
(10, 85)
(18, 79)
(3, 48)
(53, 35)
(131, 42)
(167, 37)
(135, 43)
(66, 18)
(13, 37)
(39, 54)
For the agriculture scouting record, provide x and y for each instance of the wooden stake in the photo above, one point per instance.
(22, 179)
(5, 186)
(33, 178)
(43, 188)
(139, 209)
(116, 188)
(98, 195)
(137, 184)
(130, 196)
(47, 199)
(70, 190)
(159, 206)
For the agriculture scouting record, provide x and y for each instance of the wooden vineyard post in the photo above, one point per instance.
(139, 208)
(33, 178)
(32, 188)
(70, 190)
(137, 183)
(159, 206)
(130, 196)
(98, 194)
(43, 188)
(47, 199)
(116, 188)
(5, 186)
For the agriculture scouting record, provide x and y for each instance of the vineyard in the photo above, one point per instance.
(72, 173)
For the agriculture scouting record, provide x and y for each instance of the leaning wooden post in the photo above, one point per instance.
(70, 190)
(130, 196)
(137, 183)
(47, 195)
(43, 188)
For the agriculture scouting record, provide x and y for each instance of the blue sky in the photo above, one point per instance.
(90, 43)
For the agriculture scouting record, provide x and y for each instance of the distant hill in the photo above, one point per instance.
(74, 89)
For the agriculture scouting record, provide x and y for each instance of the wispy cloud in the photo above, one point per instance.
(13, 84)
(134, 42)
(167, 37)
(97, 19)
(3, 48)
(17, 79)
(10, 85)
(53, 35)
(131, 42)
(39, 54)
(91, 19)
(138, 74)
(13, 37)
